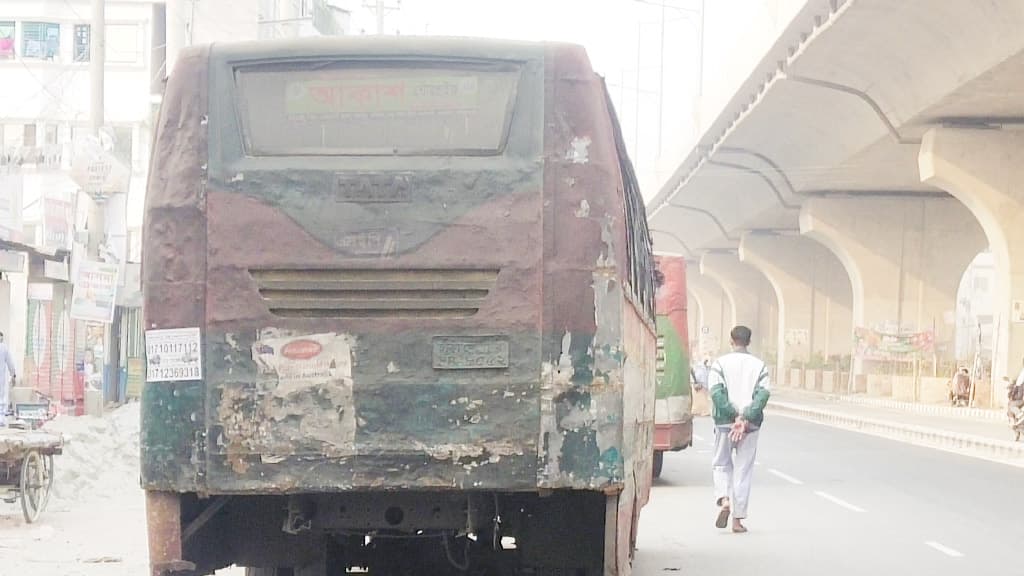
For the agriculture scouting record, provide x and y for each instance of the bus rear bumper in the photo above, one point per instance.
(673, 437)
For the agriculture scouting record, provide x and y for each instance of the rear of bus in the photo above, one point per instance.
(673, 428)
(359, 230)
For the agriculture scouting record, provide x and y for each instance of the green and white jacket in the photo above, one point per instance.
(739, 385)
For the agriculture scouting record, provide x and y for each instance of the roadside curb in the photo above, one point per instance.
(927, 409)
(911, 407)
(988, 448)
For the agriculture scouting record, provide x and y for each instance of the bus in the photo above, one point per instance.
(673, 415)
(399, 310)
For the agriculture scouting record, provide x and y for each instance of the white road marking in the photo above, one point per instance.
(785, 477)
(698, 437)
(840, 502)
(944, 549)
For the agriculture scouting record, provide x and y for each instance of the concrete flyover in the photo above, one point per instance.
(887, 133)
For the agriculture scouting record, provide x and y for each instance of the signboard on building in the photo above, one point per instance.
(40, 291)
(12, 261)
(798, 337)
(1017, 312)
(136, 375)
(97, 171)
(10, 206)
(877, 345)
(56, 270)
(95, 292)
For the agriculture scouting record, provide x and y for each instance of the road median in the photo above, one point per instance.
(994, 449)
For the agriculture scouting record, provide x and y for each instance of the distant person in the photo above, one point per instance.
(1015, 398)
(739, 392)
(1014, 401)
(7, 377)
(961, 392)
(699, 377)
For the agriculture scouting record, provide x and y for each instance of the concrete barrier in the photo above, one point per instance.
(828, 382)
(934, 390)
(879, 385)
(1003, 451)
(860, 384)
(903, 388)
(812, 380)
(928, 409)
(796, 378)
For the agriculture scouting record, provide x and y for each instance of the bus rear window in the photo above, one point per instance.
(304, 109)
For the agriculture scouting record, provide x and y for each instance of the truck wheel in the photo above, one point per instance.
(659, 458)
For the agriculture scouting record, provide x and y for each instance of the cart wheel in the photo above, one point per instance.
(36, 481)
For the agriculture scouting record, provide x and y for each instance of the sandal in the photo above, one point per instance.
(723, 517)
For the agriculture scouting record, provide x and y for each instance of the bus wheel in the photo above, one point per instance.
(304, 571)
(659, 458)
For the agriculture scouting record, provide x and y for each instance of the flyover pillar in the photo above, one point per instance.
(812, 294)
(984, 169)
(694, 312)
(904, 256)
(716, 319)
(751, 297)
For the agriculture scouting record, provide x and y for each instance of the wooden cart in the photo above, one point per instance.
(26, 468)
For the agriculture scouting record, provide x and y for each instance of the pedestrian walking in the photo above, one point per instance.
(7, 377)
(699, 376)
(739, 392)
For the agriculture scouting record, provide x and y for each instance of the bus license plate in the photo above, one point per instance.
(470, 353)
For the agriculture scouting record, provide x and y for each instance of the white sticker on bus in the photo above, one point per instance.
(174, 354)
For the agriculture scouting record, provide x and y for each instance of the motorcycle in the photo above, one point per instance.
(1015, 410)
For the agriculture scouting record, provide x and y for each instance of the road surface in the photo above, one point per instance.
(825, 501)
(836, 502)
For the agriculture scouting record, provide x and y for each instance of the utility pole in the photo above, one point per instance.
(97, 59)
(661, 78)
(97, 216)
(177, 31)
(380, 9)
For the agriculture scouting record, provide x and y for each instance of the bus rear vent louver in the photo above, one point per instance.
(421, 293)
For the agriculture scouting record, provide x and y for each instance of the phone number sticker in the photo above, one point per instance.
(174, 354)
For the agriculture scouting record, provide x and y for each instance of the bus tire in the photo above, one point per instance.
(268, 572)
(314, 570)
(659, 459)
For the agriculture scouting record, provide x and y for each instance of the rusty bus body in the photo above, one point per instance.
(421, 275)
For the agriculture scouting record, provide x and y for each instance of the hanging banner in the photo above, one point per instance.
(95, 292)
(58, 219)
(10, 207)
(876, 345)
